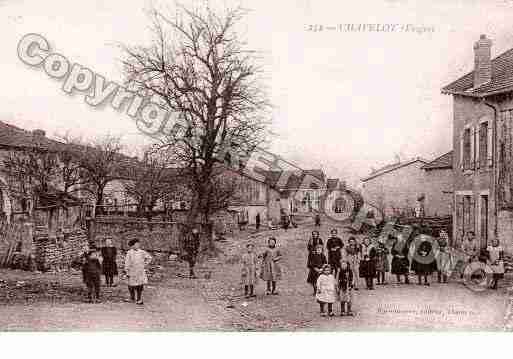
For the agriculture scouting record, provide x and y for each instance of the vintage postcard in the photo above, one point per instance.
(294, 165)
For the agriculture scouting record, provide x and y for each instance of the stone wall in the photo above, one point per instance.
(154, 236)
(474, 182)
(49, 240)
(158, 238)
(57, 252)
(438, 186)
(396, 191)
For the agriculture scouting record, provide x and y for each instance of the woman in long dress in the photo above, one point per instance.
(271, 267)
(109, 265)
(400, 262)
(316, 260)
(423, 261)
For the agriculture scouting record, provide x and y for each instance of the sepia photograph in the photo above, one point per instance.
(240, 166)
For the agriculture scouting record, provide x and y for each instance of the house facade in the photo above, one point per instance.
(395, 189)
(482, 140)
(438, 186)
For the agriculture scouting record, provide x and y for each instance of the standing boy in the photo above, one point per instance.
(135, 266)
(334, 246)
(91, 273)
(191, 248)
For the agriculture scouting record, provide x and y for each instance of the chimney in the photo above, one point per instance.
(482, 61)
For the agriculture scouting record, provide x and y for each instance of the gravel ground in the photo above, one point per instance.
(55, 301)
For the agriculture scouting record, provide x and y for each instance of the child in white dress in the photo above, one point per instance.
(496, 262)
(326, 290)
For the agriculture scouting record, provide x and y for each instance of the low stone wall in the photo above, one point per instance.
(156, 237)
(57, 252)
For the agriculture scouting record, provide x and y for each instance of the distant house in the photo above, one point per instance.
(483, 147)
(17, 140)
(396, 188)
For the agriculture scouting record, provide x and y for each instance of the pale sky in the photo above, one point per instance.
(344, 101)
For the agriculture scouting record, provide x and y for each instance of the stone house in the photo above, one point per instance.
(482, 140)
(438, 186)
(396, 188)
(49, 223)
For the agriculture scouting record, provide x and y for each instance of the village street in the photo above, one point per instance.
(177, 303)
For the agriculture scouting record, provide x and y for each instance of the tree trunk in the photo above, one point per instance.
(99, 201)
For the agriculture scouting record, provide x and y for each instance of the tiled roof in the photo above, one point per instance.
(502, 79)
(12, 136)
(15, 137)
(392, 167)
(332, 183)
(317, 173)
(444, 161)
(294, 178)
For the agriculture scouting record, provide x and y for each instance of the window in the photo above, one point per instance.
(476, 146)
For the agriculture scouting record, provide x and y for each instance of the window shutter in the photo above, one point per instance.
(472, 147)
(459, 216)
(477, 140)
(462, 157)
(490, 145)
(472, 210)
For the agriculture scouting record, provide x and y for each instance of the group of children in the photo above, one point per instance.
(269, 269)
(96, 262)
(333, 277)
(331, 286)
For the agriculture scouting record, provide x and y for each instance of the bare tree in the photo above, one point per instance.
(70, 155)
(199, 68)
(100, 163)
(150, 180)
(224, 190)
(30, 172)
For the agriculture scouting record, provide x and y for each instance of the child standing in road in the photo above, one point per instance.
(382, 263)
(353, 255)
(91, 273)
(444, 264)
(271, 266)
(496, 261)
(345, 287)
(136, 261)
(316, 262)
(249, 271)
(326, 290)
(368, 271)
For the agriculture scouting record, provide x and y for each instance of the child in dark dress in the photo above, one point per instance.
(400, 262)
(316, 260)
(91, 273)
(345, 287)
(424, 261)
(368, 271)
(382, 265)
(110, 267)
